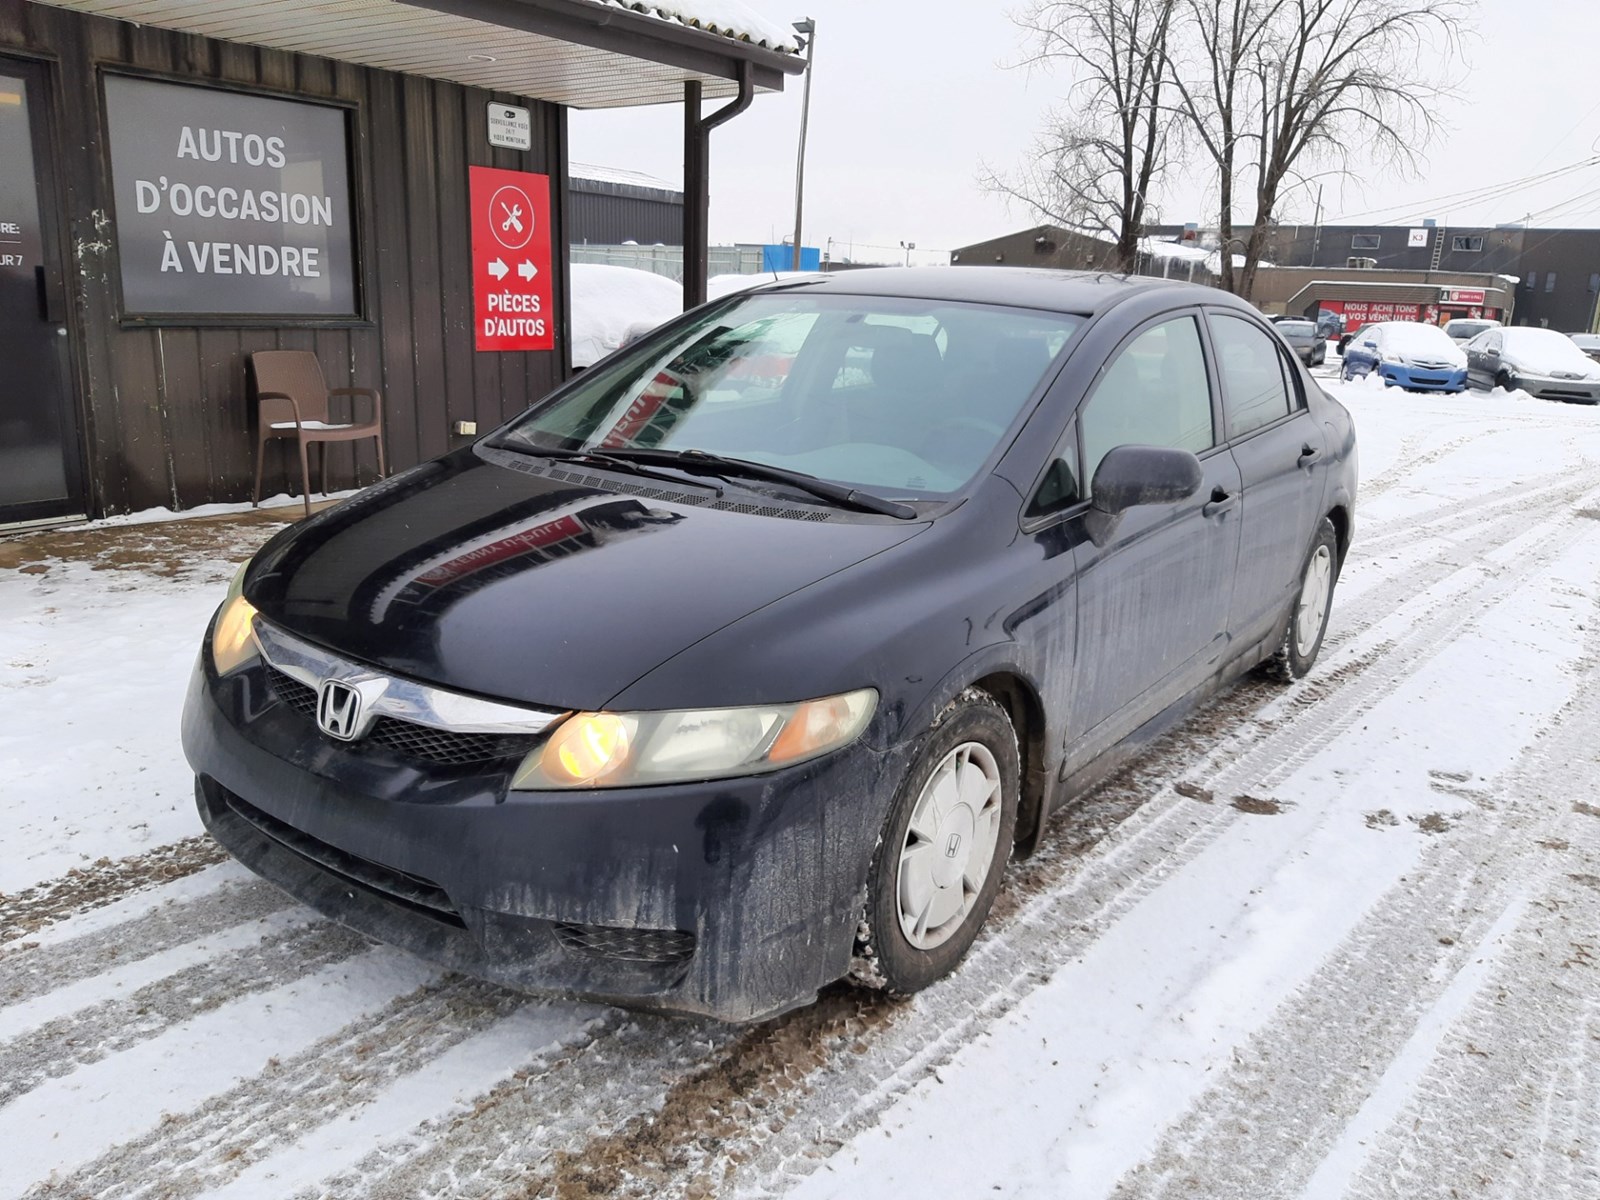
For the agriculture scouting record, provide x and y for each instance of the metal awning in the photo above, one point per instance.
(582, 53)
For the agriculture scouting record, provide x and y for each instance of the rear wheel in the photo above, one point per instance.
(939, 863)
(1308, 619)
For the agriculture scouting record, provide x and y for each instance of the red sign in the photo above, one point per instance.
(521, 542)
(512, 294)
(1464, 296)
(1366, 312)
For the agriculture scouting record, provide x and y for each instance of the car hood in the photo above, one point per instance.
(499, 579)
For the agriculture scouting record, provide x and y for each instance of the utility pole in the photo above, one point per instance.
(807, 29)
(1316, 228)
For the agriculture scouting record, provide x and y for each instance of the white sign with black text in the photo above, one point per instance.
(510, 127)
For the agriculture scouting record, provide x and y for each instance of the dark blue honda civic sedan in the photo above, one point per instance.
(745, 661)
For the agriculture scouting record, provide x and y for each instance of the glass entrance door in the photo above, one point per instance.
(39, 472)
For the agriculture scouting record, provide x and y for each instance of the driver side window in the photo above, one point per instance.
(1155, 392)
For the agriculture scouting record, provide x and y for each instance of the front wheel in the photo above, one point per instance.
(1308, 619)
(939, 863)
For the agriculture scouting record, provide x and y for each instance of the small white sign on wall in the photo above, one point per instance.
(1419, 237)
(510, 127)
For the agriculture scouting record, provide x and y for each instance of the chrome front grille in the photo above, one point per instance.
(410, 739)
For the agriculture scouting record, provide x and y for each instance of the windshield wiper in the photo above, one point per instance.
(703, 462)
(605, 458)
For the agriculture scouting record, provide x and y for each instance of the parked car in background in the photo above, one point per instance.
(1541, 362)
(1350, 335)
(1407, 354)
(1462, 330)
(1589, 343)
(1304, 340)
(699, 687)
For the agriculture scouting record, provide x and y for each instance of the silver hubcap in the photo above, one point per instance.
(949, 845)
(1314, 594)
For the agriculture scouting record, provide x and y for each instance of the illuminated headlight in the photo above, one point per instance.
(233, 643)
(605, 750)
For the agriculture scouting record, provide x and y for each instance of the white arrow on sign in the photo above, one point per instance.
(526, 269)
(499, 269)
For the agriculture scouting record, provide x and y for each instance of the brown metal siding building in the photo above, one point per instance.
(151, 407)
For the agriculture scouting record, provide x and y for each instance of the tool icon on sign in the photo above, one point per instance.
(511, 217)
(526, 269)
(499, 269)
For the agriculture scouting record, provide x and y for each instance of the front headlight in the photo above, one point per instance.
(232, 642)
(605, 750)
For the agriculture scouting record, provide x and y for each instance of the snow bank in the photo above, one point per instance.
(719, 286)
(613, 305)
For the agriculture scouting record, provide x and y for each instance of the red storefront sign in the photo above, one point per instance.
(512, 294)
(1464, 296)
(1367, 312)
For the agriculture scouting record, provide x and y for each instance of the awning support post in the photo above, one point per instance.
(697, 180)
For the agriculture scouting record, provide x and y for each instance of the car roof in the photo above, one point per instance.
(1087, 292)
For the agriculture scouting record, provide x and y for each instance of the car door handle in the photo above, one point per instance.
(1308, 455)
(1220, 503)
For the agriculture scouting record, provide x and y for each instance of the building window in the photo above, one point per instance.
(1468, 245)
(1365, 241)
(1533, 281)
(1550, 282)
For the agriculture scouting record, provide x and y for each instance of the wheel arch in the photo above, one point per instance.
(1026, 710)
(1339, 515)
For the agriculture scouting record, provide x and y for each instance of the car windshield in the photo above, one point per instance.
(902, 396)
(1586, 341)
(1467, 329)
(1297, 329)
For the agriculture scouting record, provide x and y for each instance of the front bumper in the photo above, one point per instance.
(1579, 391)
(735, 899)
(1424, 379)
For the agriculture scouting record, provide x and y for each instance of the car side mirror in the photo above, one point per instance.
(1129, 476)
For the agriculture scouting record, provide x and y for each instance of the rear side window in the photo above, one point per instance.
(1255, 382)
(1154, 393)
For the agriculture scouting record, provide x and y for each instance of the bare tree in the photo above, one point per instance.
(1093, 166)
(1279, 86)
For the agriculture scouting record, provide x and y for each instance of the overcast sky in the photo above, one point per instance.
(909, 100)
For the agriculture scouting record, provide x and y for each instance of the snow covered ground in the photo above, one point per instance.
(1338, 940)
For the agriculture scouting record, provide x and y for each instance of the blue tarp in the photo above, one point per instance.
(781, 258)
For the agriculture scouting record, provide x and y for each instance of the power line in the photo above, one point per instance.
(1474, 195)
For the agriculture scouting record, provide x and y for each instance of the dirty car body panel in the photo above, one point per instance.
(528, 577)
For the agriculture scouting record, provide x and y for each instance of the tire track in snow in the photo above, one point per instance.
(27, 972)
(60, 1046)
(187, 1153)
(102, 882)
(1504, 1097)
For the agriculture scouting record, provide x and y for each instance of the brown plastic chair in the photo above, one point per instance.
(292, 401)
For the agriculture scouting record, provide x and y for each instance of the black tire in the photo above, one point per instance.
(1505, 382)
(885, 957)
(1297, 651)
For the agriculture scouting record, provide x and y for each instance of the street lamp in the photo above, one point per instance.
(808, 30)
(908, 247)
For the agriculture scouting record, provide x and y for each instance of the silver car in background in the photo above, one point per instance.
(1304, 340)
(1541, 362)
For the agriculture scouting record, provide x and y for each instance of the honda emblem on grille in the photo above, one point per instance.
(338, 710)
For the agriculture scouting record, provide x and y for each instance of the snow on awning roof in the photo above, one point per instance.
(582, 53)
(730, 18)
